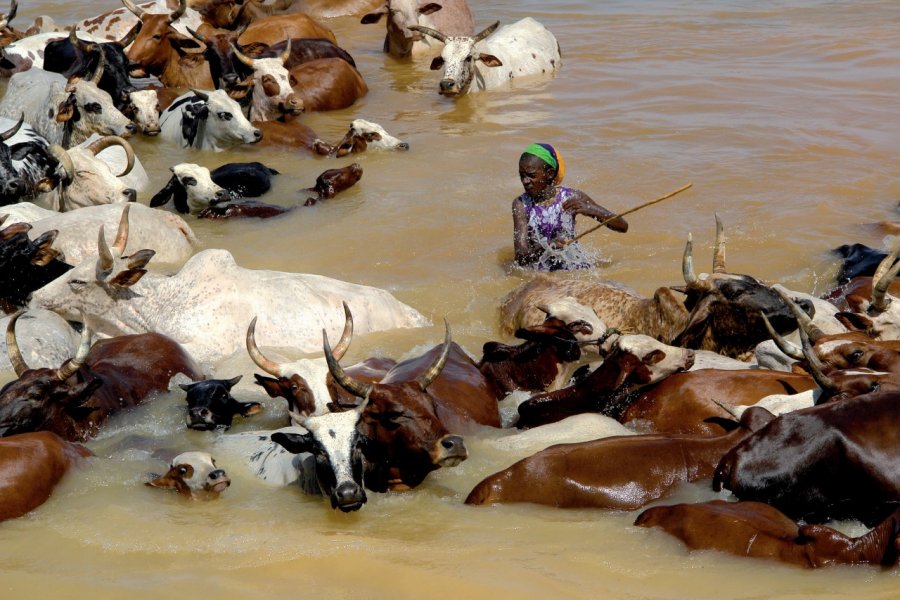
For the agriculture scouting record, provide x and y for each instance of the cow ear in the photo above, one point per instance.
(437, 63)
(582, 327)
(293, 442)
(489, 60)
(431, 7)
(854, 321)
(66, 109)
(127, 278)
(250, 408)
(163, 195)
(163, 482)
(187, 386)
(372, 136)
(654, 357)
(494, 351)
(139, 259)
(270, 384)
(373, 17)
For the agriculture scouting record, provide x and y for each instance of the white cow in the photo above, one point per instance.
(145, 106)
(64, 112)
(522, 49)
(209, 120)
(190, 190)
(450, 17)
(273, 95)
(116, 23)
(208, 304)
(366, 134)
(45, 339)
(78, 230)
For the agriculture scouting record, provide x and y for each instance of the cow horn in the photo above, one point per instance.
(13, 7)
(176, 14)
(340, 376)
(63, 158)
(881, 281)
(129, 37)
(266, 364)
(73, 37)
(197, 36)
(14, 129)
(719, 256)
(804, 321)
(106, 258)
(543, 309)
(134, 8)
(687, 263)
(68, 369)
(785, 346)
(241, 56)
(122, 232)
(113, 140)
(346, 335)
(815, 366)
(426, 378)
(486, 32)
(203, 96)
(98, 72)
(12, 346)
(429, 31)
(287, 52)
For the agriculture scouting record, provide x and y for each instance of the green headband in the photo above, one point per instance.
(543, 154)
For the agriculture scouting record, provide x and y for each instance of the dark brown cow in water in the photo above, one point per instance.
(839, 460)
(76, 399)
(761, 531)
(31, 464)
(622, 472)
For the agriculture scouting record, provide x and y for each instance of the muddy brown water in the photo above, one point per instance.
(782, 114)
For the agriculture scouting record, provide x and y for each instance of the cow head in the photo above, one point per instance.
(88, 180)
(12, 187)
(26, 265)
(337, 448)
(227, 72)
(86, 109)
(292, 380)
(143, 109)
(272, 92)
(402, 14)
(221, 14)
(878, 316)
(214, 120)
(46, 399)
(406, 438)
(211, 405)
(193, 475)
(458, 58)
(158, 43)
(366, 134)
(191, 188)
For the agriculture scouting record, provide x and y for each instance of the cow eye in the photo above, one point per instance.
(157, 36)
(182, 470)
(188, 181)
(93, 107)
(77, 285)
(856, 355)
(225, 116)
(875, 387)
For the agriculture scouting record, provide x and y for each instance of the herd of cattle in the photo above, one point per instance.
(785, 399)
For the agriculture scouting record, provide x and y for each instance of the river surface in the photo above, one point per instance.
(784, 117)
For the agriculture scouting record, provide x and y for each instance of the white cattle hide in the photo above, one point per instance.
(31, 48)
(45, 339)
(146, 110)
(452, 18)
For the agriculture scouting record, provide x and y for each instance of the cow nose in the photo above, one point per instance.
(447, 85)
(452, 451)
(130, 128)
(130, 194)
(222, 196)
(402, 146)
(257, 134)
(230, 79)
(349, 496)
(217, 474)
(152, 130)
(14, 185)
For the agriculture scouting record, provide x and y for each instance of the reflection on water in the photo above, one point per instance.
(782, 114)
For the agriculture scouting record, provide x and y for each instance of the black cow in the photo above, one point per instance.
(211, 405)
(26, 265)
(244, 180)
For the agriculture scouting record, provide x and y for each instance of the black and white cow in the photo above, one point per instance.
(209, 120)
(27, 166)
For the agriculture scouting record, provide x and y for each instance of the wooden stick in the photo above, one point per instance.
(628, 212)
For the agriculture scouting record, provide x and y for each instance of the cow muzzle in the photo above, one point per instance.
(448, 87)
(449, 451)
(200, 419)
(348, 497)
(218, 481)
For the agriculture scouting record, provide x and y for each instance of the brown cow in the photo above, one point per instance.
(327, 84)
(622, 472)
(31, 464)
(761, 531)
(270, 30)
(76, 399)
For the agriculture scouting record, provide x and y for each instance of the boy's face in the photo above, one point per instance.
(536, 175)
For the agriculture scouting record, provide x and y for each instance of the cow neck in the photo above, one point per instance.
(201, 133)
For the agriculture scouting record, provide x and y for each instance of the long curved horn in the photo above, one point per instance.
(98, 72)
(202, 95)
(287, 52)
(129, 37)
(122, 233)
(241, 56)
(486, 31)
(881, 281)
(346, 336)
(63, 158)
(804, 322)
(198, 36)
(14, 129)
(176, 14)
(67, 370)
(785, 346)
(815, 366)
(114, 140)
(134, 8)
(268, 365)
(429, 31)
(340, 376)
(426, 378)
(719, 255)
(13, 7)
(106, 257)
(12, 346)
(687, 263)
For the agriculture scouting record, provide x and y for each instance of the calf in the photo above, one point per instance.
(838, 460)
(191, 189)
(620, 473)
(211, 405)
(207, 120)
(333, 181)
(193, 475)
(366, 134)
(31, 464)
(761, 531)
